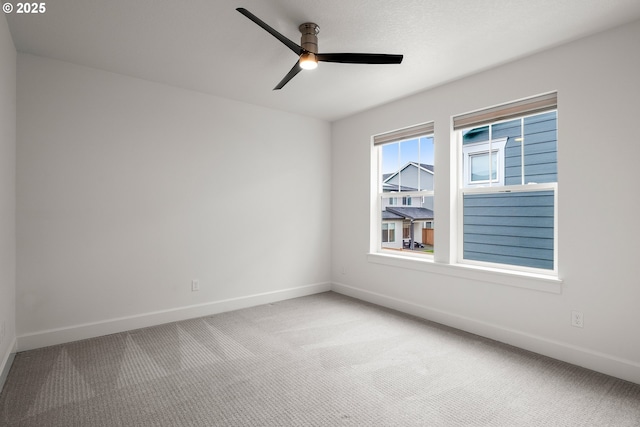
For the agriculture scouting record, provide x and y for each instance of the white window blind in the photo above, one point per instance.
(529, 106)
(405, 133)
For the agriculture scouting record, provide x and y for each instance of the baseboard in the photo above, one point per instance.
(111, 326)
(596, 361)
(6, 362)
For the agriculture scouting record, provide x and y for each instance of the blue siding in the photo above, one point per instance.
(540, 147)
(510, 228)
(540, 151)
(476, 135)
(510, 129)
(516, 228)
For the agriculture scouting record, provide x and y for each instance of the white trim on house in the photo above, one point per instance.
(416, 164)
(497, 147)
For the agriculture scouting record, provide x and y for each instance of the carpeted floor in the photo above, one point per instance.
(322, 360)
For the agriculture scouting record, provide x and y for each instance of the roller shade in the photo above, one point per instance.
(537, 104)
(402, 134)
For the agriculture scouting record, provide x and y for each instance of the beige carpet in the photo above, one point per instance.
(322, 360)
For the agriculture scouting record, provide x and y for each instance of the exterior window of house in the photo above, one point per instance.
(404, 175)
(507, 197)
(388, 232)
(480, 167)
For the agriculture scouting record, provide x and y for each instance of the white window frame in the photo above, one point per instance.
(495, 147)
(417, 131)
(390, 225)
(551, 186)
(447, 263)
(497, 186)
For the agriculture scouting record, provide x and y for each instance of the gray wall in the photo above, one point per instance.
(7, 195)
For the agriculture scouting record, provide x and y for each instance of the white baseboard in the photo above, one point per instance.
(600, 362)
(111, 326)
(6, 362)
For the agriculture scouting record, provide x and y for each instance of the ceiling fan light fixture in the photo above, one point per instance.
(308, 61)
(307, 50)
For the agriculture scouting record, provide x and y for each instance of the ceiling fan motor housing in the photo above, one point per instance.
(309, 40)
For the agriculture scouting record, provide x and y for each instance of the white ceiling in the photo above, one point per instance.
(207, 46)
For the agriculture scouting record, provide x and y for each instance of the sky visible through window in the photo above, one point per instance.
(398, 154)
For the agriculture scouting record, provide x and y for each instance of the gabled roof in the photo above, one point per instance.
(427, 168)
(395, 187)
(390, 215)
(406, 212)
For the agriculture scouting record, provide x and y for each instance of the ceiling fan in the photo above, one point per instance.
(308, 50)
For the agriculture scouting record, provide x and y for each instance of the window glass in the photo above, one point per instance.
(510, 219)
(406, 193)
(505, 172)
(388, 232)
(480, 167)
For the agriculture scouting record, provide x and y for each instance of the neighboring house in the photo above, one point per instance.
(408, 221)
(511, 227)
(534, 140)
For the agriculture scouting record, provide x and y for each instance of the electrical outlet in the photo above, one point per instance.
(195, 285)
(577, 319)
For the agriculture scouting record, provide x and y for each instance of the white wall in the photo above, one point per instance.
(7, 196)
(128, 190)
(598, 86)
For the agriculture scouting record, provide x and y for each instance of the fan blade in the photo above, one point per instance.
(360, 58)
(291, 45)
(291, 74)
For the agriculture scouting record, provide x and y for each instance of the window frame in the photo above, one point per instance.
(447, 262)
(550, 186)
(421, 130)
(496, 146)
(390, 231)
(497, 187)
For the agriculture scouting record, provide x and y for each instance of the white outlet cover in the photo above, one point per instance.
(577, 319)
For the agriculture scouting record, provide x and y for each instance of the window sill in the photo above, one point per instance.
(537, 282)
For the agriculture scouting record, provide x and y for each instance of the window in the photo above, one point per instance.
(476, 164)
(404, 175)
(507, 196)
(481, 167)
(388, 232)
(503, 214)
